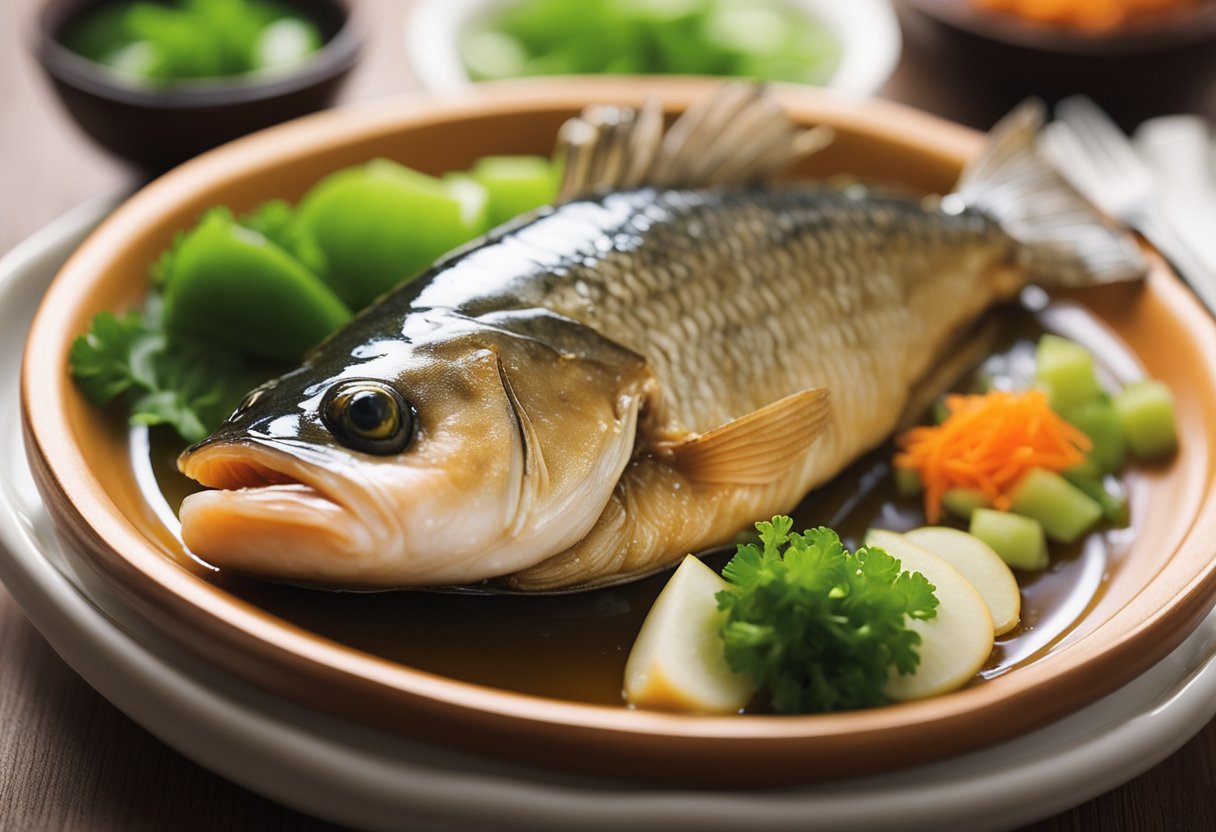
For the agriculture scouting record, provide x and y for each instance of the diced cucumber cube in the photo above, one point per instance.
(908, 482)
(1099, 421)
(746, 29)
(683, 49)
(542, 24)
(1146, 411)
(1112, 499)
(1066, 370)
(1018, 540)
(139, 57)
(516, 184)
(1085, 469)
(940, 411)
(961, 502)
(285, 43)
(1064, 511)
(493, 55)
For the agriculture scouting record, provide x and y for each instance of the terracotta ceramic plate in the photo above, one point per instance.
(1148, 594)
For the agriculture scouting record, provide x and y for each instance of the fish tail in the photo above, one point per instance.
(739, 135)
(1065, 240)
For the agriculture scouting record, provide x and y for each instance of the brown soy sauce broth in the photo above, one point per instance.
(575, 646)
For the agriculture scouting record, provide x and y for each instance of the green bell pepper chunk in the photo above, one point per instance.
(515, 184)
(380, 224)
(232, 285)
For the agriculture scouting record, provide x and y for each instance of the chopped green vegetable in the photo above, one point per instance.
(762, 39)
(1099, 420)
(1017, 539)
(285, 43)
(908, 482)
(494, 55)
(381, 223)
(516, 184)
(233, 286)
(962, 501)
(184, 47)
(1064, 511)
(940, 412)
(1146, 411)
(1066, 370)
(169, 380)
(162, 42)
(819, 626)
(1102, 491)
(276, 221)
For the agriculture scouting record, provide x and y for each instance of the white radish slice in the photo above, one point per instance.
(956, 643)
(678, 661)
(990, 575)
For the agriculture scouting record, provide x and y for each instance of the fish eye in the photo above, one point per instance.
(368, 416)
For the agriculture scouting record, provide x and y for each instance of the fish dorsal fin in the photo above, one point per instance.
(758, 448)
(739, 135)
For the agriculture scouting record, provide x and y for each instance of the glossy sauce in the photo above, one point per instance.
(575, 646)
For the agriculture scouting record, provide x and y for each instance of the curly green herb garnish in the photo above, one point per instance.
(169, 380)
(820, 627)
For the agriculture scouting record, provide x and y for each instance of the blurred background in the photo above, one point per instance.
(967, 60)
(69, 85)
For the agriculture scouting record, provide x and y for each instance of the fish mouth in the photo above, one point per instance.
(268, 512)
(253, 467)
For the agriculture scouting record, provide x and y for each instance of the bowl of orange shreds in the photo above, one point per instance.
(1096, 18)
(1137, 58)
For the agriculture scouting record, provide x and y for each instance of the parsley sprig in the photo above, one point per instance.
(819, 626)
(168, 379)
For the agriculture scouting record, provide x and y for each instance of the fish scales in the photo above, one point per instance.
(737, 298)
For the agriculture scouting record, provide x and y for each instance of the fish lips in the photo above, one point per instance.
(270, 512)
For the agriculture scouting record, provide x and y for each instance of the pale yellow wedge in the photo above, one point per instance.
(678, 661)
(990, 575)
(955, 644)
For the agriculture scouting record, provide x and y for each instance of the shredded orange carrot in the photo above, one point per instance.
(989, 442)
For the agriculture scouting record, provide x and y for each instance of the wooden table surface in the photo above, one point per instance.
(70, 760)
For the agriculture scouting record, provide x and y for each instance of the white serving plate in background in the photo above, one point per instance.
(867, 30)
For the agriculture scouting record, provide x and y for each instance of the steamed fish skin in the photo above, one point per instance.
(592, 392)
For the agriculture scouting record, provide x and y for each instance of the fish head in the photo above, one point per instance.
(463, 453)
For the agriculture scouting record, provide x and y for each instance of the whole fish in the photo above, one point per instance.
(589, 393)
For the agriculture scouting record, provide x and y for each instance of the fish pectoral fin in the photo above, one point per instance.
(758, 448)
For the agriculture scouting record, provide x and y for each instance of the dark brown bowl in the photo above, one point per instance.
(156, 128)
(1158, 66)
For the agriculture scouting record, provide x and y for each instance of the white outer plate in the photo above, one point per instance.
(356, 776)
(867, 31)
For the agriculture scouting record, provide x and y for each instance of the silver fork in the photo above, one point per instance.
(1100, 161)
